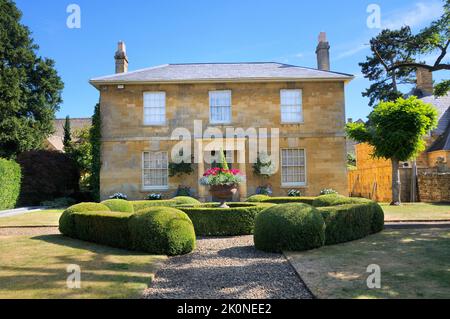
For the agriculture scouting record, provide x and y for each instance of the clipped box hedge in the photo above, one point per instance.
(158, 230)
(209, 220)
(10, 179)
(280, 200)
(176, 201)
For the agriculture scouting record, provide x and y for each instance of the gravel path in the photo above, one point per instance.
(227, 268)
(28, 231)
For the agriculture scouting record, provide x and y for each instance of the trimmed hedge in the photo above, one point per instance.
(350, 222)
(67, 222)
(258, 198)
(119, 205)
(185, 200)
(143, 204)
(335, 200)
(10, 177)
(291, 227)
(209, 220)
(47, 175)
(107, 228)
(162, 230)
(290, 200)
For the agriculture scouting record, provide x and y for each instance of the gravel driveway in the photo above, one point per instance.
(227, 268)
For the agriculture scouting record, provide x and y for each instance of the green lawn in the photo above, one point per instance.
(41, 218)
(414, 264)
(416, 211)
(36, 267)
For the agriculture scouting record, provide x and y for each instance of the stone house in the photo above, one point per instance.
(141, 111)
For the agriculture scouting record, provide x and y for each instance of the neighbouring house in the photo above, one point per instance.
(55, 142)
(372, 178)
(141, 109)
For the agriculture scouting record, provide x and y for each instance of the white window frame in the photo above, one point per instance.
(294, 184)
(153, 122)
(282, 106)
(211, 120)
(154, 187)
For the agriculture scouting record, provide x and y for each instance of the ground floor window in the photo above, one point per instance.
(155, 170)
(293, 167)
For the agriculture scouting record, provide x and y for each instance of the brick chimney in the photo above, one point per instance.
(323, 53)
(121, 58)
(424, 82)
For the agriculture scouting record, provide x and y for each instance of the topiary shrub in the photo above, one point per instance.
(210, 220)
(288, 200)
(143, 204)
(352, 221)
(186, 200)
(107, 228)
(119, 205)
(291, 227)
(10, 176)
(46, 175)
(258, 198)
(335, 200)
(162, 230)
(66, 221)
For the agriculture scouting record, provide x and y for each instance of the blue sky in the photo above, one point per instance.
(159, 32)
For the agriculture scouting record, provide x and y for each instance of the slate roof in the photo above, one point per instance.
(442, 104)
(223, 72)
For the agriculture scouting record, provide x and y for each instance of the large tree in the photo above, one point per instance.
(396, 130)
(396, 54)
(30, 88)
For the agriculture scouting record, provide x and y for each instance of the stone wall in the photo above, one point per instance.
(434, 186)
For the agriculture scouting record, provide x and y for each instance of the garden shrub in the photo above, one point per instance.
(351, 221)
(107, 228)
(335, 200)
(210, 220)
(119, 205)
(143, 204)
(10, 177)
(291, 227)
(288, 200)
(66, 221)
(162, 230)
(258, 198)
(46, 175)
(186, 200)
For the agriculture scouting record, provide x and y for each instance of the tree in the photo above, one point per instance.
(396, 54)
(67, 134)
(30, 88)
(95, 136)
(396, 130)
(80, 150)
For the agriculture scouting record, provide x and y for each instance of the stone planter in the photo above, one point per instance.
(223, 192)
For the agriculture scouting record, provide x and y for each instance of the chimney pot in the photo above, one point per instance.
(424, 81)
(323, 53)
(121, 58)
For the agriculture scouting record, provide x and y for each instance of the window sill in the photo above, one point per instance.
(294, 186)
(292, 123)
(155, 188)
(155, 125)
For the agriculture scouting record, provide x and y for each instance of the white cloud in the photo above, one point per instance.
(420, 15)
(351, 51)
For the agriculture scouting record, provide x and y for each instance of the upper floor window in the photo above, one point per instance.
(220, 107)
(291, 106)
(293, 167)
(155, 170)
(154, 108)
